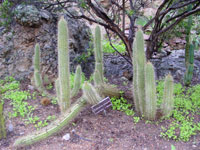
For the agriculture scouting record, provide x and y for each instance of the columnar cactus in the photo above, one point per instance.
(189, 52)
(63, 65)
(150, 92)
(2, 123)
(54, 127)
(70, 113)
(189, 66)
(98, 54)
(144, 85)
(104, 89)
(188, 37)
(168, 101)
(77, 81)
(140, 76)
(135, 92)
(37, 75)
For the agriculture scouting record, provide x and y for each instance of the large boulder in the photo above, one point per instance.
(17, 46)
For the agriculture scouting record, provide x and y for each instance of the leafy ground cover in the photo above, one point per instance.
(121, 128)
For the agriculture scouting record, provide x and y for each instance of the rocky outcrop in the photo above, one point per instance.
(39, 26)
(173, 63)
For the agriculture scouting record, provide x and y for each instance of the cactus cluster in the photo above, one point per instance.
(144, 85)
(2, 123)
(63, 92)
(189, 52)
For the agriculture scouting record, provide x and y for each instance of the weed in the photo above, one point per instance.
(107, 48)
(136, 119)
(187, 103)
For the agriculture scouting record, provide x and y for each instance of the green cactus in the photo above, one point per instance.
(90, 94)
(188, 37)
(150, 92)
(144, 85)
(189, 74)
(135, 92)
(168, 100)
(97, 77)
(63, 65)
(98, 53)
(141, 61)
(54, 127)
(77, 81)
(190, 66)
(189, 52)
(103, 89)
(37, 75)
(2, 123)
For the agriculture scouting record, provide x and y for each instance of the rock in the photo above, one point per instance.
(17, 46)
(27, 15)
(66, 137)
(175, 64)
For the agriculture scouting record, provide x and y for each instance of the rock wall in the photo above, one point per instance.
(173, 63)
(17, 45)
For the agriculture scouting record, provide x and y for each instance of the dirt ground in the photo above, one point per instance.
(113, 131)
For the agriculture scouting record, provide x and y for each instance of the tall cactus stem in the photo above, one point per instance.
(188, 37)
(168, 100)
(98, 52)
(63, 64)
(141, 61)
(150, 92)
(37, 75)
(77, 81)
(135, 92)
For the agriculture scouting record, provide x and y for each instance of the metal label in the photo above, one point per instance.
(102, 106)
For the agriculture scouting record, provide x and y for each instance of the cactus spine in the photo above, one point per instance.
(2, 123)
(144, 85)
(37, 75)
(63, 65)
(168, 101)
(150, 92)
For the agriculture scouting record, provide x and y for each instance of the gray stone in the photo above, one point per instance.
(27, 15)
(116, 66)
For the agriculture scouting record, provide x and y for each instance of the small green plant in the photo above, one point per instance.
(6, 13)
(107, 48)
(136, 119)
(122, 105)
(186, 107)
